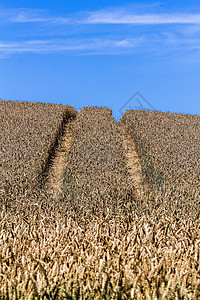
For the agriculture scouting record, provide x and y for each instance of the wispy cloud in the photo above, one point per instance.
(175, 33)
(106, 17)
(115, 16)
(24, 17)
(60, 45)
(34, 16)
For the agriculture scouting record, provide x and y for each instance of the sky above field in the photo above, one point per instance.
(118, 54)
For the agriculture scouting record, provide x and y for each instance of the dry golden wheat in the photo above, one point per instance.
(106, 245)
(172, 141)
(96, 159)
(28, 134)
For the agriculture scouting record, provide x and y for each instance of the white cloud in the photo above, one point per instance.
(141, 19)
(32, 17)
(115, 16)
(129, 43)
(178, 34)
(23, 17)
(61, 45)
(123, 43)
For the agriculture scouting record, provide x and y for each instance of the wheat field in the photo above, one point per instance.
(172, 142)
(28, 133)
(96, 239)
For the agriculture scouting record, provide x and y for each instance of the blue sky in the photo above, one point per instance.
(100, 53)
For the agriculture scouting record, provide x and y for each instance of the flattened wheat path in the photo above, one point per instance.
(133, 161)
(54, 182)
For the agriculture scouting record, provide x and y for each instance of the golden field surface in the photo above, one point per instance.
(172, 140)
(28, 133)
(96, 239)
(96, 159)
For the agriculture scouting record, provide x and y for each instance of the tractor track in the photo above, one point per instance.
(54, 182)
(57, 166)
(133, 161)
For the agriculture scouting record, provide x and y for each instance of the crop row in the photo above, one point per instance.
(169, 145)
(28, 134)
(96, 164)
